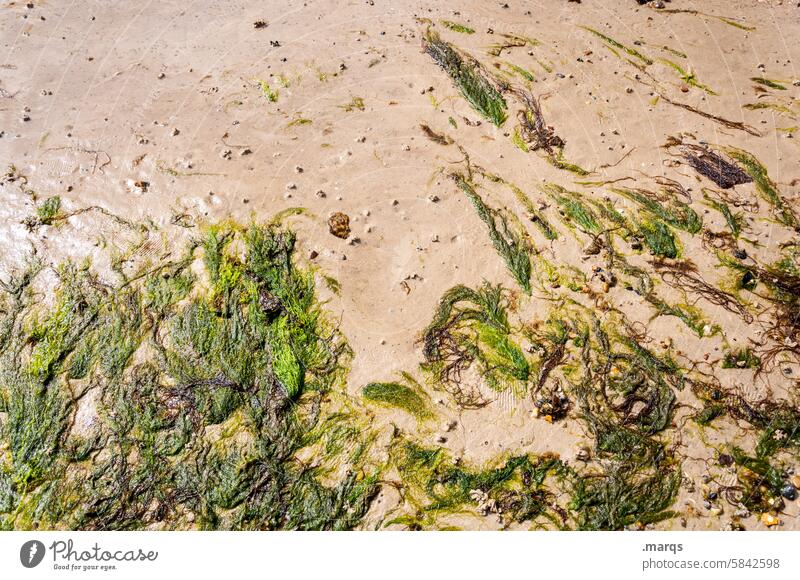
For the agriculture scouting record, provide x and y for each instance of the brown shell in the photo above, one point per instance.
(339, 225)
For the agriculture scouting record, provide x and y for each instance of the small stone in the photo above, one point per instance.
(433, 198)
(175, 131)
(321, 194)
(339, 225)
(789, 491)
(450, 425)
(769, 520)
(313, 254)
(161, 75)
(441, 439)
(291, 185)
(406, 147)
(245, 151)
(298, 169)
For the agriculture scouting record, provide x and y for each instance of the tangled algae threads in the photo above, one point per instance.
(471, 326)
(765, 186)
(512, 245)
(250, 353)
(468, 76)
(408, 397)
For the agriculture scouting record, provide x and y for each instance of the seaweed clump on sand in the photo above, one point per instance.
(470, 78)
(625, 400)
(517, 490)
(181, 396)
(708, 163)
(511, 243)
(472, 326)
(409, 397)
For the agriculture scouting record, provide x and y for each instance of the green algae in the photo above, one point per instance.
(768, 83)
(471, 326)
(512, 246)
(659, 238)
(355, 104)
(268, 92)
(49, 209)
(468, 77)
(456, 27)
(619, 46)
(688, 77)
(765, 186)
(536, 216)
(411, 400)
(741, 359)
(735, 220)
(676, 213)
(574, 211)
(167, 357)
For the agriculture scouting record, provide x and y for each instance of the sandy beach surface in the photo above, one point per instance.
(183, 114)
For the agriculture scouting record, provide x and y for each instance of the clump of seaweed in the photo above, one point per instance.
(625, 397)
(677, 213)
(573, 209)
(438, 138)
(536, 216)
(436, 486)
(684, 276)
(615, 46)
(470, 78)
(765, 186)
(471, 326)
(163, 401)
(741, 359)
(409, 397)
(535, 134)
(735, 220)
(710, 164)
(456, 27)
(512, 246)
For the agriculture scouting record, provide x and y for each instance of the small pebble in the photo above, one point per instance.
(789, 491)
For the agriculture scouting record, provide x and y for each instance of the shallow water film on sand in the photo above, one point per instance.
(400, 265)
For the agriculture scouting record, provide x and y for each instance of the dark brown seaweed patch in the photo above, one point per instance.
(715, 167)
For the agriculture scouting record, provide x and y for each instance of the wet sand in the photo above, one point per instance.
(155, 112)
